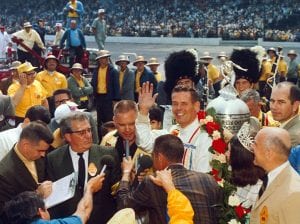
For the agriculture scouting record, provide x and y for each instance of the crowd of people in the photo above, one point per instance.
(256, 19)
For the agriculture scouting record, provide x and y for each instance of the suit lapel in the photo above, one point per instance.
(273, 186)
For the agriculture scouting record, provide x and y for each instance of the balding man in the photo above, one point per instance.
(284, 105)
(279, 196)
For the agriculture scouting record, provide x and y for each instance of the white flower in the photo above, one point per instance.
(221, 183)
(233, 221)
(209, 118)
(227, 135)
(233, 200)
(203, 121)
(216, 135)
(220, 157)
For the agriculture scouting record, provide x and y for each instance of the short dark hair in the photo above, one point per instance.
(170, 146)
(62, 91)
(244, 171)
(125, 106)
(294, 94)
(66, 123)
(23, 208)
(37, 131)
(38, 113)
(155, 113)
(192, 91)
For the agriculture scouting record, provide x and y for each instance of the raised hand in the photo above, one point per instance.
(163, 178)
(146, 98)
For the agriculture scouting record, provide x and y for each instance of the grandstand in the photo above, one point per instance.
(273, 20)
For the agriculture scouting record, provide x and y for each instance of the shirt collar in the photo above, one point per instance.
(191, 127)
(286, 122)
(274, 173)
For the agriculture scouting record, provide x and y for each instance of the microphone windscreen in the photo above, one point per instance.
(145, 162)
(108, 160)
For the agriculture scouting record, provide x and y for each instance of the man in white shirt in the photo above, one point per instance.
(279, 196)
(185, 106)
(29, 37)
(4, 40)
(9, 137)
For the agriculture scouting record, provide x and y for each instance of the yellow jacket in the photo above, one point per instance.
(180, 209)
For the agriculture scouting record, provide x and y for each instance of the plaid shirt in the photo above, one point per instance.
(201, 189)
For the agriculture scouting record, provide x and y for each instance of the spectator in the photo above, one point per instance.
(99, 29)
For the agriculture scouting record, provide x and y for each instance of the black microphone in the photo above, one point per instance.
(108, 163)
(144, 162)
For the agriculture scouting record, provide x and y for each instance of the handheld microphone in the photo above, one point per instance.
(107, 162)
(144, 162)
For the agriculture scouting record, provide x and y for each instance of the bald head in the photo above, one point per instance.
(271, 148)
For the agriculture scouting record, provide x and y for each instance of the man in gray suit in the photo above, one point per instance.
(284, 105)
(279, 197)
(126, 78)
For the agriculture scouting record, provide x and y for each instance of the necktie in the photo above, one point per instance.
(81, 173)
(263, 186)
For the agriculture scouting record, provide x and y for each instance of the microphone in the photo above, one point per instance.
(144, 162)
(107, 162)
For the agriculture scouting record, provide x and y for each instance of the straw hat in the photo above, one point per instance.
(77, 66)
(122, 58)
(25, 67)
(206, 56)
(58, 24)
(292, 52)
(222, 54)
(27, 24)
(139, 59)
(14, 65)
(51, 56)
(153, 61)
(102, 54)
(271, 49)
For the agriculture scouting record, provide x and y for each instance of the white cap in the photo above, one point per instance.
(58, 24)
(65, 110)
(101, 11)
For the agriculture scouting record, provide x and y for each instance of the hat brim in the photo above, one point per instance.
(152, 64)
(118, 62)
(134, 63)
(31, 69)
(206, 57)
(225, 56)
(103, 56)
(292, 54)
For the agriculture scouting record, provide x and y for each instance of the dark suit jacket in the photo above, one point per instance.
(201, 189)
(15, 177)
(147, 76)
(59, 164)
(127, 90)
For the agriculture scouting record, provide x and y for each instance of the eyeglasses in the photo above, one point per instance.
(82, 132)
(58, 102)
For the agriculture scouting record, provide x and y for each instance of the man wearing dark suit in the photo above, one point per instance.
(23, 168)
(201, 189)
(126, 78)
(279, 197)
(143, 74)
(284, 105)
(76, 130)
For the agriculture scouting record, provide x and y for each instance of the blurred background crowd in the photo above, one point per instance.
(273, 20)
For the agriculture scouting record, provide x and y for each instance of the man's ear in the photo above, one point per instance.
(296, 107)
(67, 137)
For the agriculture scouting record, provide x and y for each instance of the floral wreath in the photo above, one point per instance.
(232, 211)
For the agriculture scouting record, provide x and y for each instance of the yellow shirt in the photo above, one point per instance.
(52, 82)
(282, 67)
(213, 72)
(101, 87)
(266, 119)
(157, 75)
(29, 39)
(137, 80)
(266, 71)
(34, 94)
(81, 84)
(121, 78)
(30, 165)
(74, 6)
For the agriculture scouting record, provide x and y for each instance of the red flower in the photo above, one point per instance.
(215, 174)
(219, 145)
(201, 115)
(175, 132)
(240, 211)
(211, 127)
